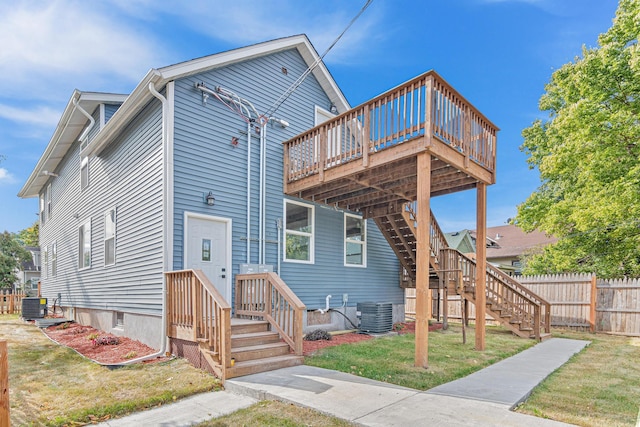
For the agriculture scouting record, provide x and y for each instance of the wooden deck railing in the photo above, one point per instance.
(425, 105)
(197, 312)
(266, 296)
(501, 290)
(10, 303)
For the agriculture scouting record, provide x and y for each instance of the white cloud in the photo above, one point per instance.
(244, 22)
(67, 41)
(6, 177)
(39, 116)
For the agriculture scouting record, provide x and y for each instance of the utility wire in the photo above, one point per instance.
(308, 71)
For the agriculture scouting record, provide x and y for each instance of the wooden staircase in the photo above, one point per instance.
(265, 334)
(507, 301)
(255, 348)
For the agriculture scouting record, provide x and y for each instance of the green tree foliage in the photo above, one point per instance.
(12, 255)
(30, 235)
(588, 155)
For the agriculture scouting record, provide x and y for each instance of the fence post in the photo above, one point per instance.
(4, 385)
(592, 311)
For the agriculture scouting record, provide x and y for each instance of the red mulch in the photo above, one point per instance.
(78, 337)
(310, 347)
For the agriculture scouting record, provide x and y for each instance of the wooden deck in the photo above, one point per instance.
(365, 160)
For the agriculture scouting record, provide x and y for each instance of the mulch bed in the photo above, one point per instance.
(97, 345)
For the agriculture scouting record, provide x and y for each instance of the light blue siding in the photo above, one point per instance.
(127, 176)
(205, 160)
(109, 110)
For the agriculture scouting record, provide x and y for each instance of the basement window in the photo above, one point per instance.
(119, 323)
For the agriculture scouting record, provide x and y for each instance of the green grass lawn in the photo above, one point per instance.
(391, 359)
(598, 387)
(53, 385)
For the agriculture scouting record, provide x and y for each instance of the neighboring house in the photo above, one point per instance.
(29, 273)
(461, 241)
(176, 175)
(507, 243)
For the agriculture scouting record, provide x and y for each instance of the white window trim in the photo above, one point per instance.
(54, 259)
(362, 243)
(81, 249)
(115, 236)
(48, 201)
(312, 239)
(84, 162)
(45, 261)
(42, 208)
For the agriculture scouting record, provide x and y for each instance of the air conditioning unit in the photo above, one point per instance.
(34, 308)
(375, 317)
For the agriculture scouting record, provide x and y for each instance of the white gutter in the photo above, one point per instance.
(84, 134)
(163, 344)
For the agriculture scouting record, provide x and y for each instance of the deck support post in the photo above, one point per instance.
(481, 264)
(423, 251)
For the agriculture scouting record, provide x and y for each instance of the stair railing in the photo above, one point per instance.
(267, 296)
(523, 307)
(197, 312)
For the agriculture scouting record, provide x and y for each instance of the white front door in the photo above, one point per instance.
(208, 248)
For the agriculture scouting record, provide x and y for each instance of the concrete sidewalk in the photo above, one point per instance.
(480, 399)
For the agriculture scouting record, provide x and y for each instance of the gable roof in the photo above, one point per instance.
(461, 240)
(511, 241)
(73, 120)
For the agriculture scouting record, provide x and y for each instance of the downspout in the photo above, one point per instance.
(249, 192)
(263, 169)
(88, 116)
(163, 344)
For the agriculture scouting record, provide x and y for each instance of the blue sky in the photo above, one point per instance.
(498, 53)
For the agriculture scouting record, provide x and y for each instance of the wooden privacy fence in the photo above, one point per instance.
(582, 300)
(577, 300)
(10, 303)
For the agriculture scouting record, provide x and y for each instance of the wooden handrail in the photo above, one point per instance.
(524, 306)
(267, 296)
(424, 106)
(197, 312)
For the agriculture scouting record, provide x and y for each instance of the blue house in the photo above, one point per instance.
(233, 202)
(186, 173)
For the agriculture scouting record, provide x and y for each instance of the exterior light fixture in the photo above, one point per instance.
(333, 109)
(209, 199)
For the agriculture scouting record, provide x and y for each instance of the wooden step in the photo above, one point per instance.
(254, 338)
(262, 365)
(253, 352)
(245, 326)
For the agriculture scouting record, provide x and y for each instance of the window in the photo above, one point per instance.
(45, 261)
(119, 323)
(110, 237)
(54, 259)
(206, 250)
(84, 245)
(42, 208)
(355, 241)
(84, 173)
(49, 201)
(298, 230)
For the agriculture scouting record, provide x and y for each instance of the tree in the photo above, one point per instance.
(30, 235)
(12, 255)
(588, 155)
